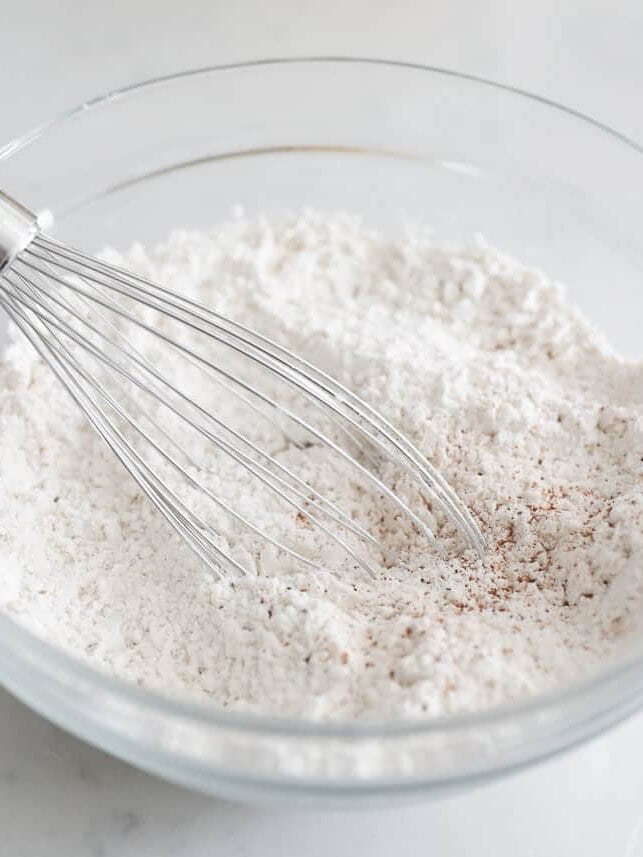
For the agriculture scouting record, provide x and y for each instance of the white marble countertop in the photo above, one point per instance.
(59, 796)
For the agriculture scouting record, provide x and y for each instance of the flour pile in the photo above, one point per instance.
(481, 362)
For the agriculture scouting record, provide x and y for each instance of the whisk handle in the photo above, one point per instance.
(18, 227)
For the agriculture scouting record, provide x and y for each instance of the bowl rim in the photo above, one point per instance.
(108, 96)
(42, 654)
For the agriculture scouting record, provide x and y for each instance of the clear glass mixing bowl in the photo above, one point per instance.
(399, 144)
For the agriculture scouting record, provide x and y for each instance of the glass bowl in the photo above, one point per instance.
(398, 144)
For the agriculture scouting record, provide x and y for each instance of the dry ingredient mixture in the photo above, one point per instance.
(482, 362)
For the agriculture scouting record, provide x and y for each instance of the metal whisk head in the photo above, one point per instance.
(214, 420)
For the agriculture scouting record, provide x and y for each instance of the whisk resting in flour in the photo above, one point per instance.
(86, 319)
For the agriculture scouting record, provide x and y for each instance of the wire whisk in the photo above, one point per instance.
(212, 419)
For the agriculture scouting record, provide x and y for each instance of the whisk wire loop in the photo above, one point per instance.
(88, 319)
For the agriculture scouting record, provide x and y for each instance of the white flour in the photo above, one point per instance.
(482, 363)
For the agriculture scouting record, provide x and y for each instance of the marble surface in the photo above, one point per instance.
(59, 796)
